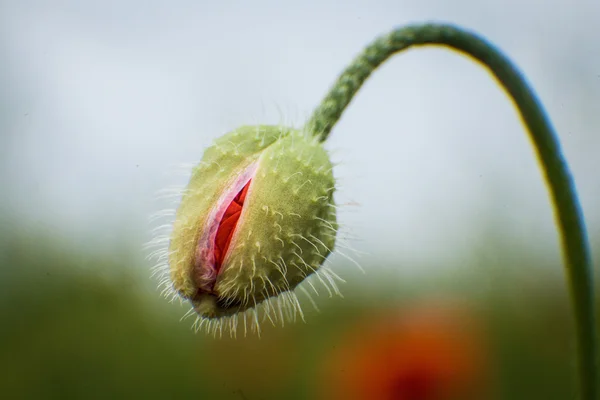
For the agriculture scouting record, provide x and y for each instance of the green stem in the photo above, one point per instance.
(566, 206)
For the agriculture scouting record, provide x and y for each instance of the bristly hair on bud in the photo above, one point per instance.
(256, 219)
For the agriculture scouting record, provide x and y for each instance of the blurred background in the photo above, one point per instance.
(463, 295)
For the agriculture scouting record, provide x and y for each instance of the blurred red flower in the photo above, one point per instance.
(427, 352)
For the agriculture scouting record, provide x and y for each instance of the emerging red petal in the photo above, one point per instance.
(227, 226)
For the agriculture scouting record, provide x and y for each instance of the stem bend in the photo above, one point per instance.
(567, 209)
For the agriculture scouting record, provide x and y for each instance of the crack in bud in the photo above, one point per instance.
(227, 226)
(214, 243)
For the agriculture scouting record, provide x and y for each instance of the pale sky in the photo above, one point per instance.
(105, 98)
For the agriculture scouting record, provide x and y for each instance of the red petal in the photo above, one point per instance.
(227, 226)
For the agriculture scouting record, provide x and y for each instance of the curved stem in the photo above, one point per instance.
(562, 190)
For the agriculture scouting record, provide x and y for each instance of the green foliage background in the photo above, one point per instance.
(81, 325)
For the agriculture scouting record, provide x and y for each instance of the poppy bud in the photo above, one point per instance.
(256, 219)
